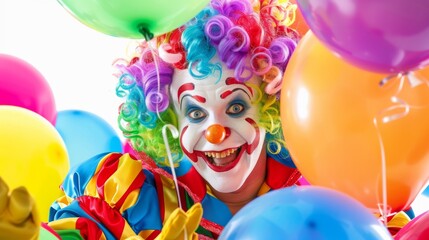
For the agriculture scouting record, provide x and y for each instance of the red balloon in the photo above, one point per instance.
(417, 229)
(21, 85)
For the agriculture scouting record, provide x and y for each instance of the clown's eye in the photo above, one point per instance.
(235, 109)
(196, 114)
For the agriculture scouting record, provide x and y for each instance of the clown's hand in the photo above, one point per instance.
(181, 224)
(18, 214)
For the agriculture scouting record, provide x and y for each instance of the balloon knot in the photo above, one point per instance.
(145, 32)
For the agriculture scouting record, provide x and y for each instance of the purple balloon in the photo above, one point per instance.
(21, 85)
(389, 36)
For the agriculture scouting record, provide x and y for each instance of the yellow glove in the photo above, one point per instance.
(18, 214)
(182, 223)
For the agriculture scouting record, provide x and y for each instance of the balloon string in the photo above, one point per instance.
(175, 134)
(383, 208)
(171, 128)
(388, 115)
(398, 103)
(399, 109)
(158, 78)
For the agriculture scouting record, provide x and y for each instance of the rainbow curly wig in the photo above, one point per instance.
(251, 38)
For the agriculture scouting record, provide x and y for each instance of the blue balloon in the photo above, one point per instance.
(86, 135)
(304, 213)
(426, 191)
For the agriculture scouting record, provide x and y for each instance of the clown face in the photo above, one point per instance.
(218, 127)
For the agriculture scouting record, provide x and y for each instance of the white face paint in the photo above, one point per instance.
(218, 127)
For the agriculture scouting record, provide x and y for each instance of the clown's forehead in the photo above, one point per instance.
(183, 80)
(213, 81)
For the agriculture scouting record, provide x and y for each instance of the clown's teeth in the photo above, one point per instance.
(222, 154)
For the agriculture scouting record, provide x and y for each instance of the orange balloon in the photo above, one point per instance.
(348, 130)
(299, 24)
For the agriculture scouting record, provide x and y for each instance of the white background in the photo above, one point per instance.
(75, 59)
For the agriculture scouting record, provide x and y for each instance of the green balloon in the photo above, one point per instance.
(67, 234)
(134, 18)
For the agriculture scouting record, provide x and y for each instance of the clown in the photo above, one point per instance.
(219, 134)
(216, 81)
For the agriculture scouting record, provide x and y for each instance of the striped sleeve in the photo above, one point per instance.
(109, 196)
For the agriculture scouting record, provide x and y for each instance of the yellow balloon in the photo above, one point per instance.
(32, 154)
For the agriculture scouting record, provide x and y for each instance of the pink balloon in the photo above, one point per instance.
(417, 229)
(303, 182)
(21, 85)
(127, 147)
(389, 36)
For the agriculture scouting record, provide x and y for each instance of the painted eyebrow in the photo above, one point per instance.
(183, 88)
(225, 94)
(199, 98)
(188, 87)
(231, 81)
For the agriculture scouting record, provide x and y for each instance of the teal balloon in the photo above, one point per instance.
(85, 135)
(304, 213)
(136, 19)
